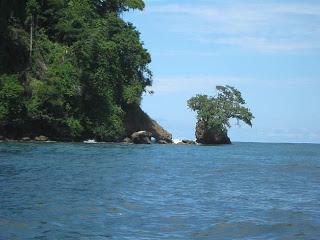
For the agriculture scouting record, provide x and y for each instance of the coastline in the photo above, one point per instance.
(182, 142)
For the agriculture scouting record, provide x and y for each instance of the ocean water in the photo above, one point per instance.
(110, 191)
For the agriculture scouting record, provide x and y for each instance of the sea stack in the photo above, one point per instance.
(211, 136)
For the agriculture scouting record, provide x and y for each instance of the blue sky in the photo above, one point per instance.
(269, 50)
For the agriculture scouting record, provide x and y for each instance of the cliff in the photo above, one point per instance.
(137, 120)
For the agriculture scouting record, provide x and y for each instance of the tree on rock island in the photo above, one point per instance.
(214, 114)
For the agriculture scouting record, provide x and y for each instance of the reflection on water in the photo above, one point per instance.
(109, 191)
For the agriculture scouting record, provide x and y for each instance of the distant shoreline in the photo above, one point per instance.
(93, 142)
(125, 143)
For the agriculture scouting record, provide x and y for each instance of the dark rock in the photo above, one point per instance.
(127, 140)
(2, 138)
(188, 142)
(137, 120)
(162, 142)
(211, 136)
(41, 138)
(25, 139)
(141, 137)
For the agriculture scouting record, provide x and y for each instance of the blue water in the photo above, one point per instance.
(108, 191)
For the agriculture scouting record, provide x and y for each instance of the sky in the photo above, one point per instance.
(269, 50)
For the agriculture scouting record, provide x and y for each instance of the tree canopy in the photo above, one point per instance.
(69, 69)
(216, 112)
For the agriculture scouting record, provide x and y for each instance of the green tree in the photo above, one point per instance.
(54, 89)
(12, 110)
(117, 6)
(78, 65)
(216, 112)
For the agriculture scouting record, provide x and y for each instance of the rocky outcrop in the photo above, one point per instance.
(137, 120)
(141, 137)
(211, 136)
(41, 138)
(186, 142)
(127, 140)
(25, 139)
(162, 142)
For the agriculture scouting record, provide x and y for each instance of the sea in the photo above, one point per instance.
(116, 191)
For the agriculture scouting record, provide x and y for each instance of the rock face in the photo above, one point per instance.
(141, 137)
(137, 120)
(211, 136)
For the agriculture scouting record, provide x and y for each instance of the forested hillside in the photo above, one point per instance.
(69, 69)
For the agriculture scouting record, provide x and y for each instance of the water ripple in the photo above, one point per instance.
(110, 191)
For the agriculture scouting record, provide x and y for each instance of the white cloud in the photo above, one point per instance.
(265, 44)
(200, 84)
(207, 84)
(265, 26)
(185, 53)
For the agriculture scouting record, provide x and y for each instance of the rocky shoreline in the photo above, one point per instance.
(141, 129)
(140, 137)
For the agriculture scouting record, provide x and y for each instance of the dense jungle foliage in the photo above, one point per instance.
(69, 69)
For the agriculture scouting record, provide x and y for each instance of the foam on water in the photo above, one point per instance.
(90, 141)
